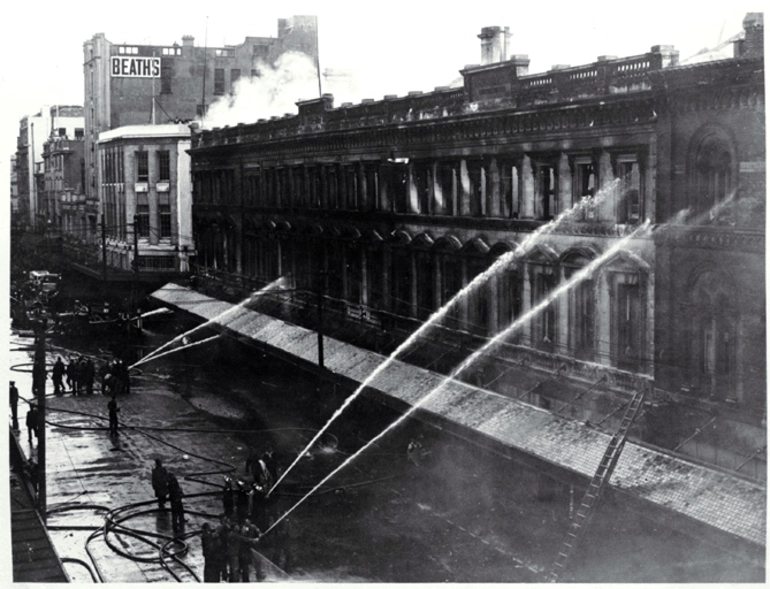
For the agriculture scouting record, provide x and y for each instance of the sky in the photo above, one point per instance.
(392, 47)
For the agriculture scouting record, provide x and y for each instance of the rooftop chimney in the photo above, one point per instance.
(494, 44)
(752, 44)
(187, 41)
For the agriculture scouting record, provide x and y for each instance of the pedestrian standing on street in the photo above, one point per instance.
(160, 482)
(88, 376)
(14, 399)
(58, 376)
(32, 419)
(177, 507)
(113, 409)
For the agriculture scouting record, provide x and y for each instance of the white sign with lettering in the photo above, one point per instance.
(135, 67)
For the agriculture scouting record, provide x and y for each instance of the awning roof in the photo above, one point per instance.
(715, 498)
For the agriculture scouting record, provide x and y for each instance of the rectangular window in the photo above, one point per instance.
(143, 220)
(628, 331)
(630, 204)
(62, 132)
(546, 192)
(219, 81)
(235, 75)
(142, 167)
(584, 184)
(164, 211)
(78, 133)
(164, 167)
(166, 75)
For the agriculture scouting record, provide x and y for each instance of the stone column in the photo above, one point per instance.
(364, 273)
(413, 202)
(323, 186)
(439, 206)
(454, 199)
(526, 304)
(606, 178)
(436, 281)
(464, 190)
(603, 311)
(562, 317)
(385, 180)
(413, 284)
(493, 284)
(528, 189)
(363, 200)
(741, 334)
(386, 298)
(565, 184)
(493, 203)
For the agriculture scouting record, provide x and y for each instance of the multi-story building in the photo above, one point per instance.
(144, 173)
(14, 187)
(64, 198)
(34, 131)
(137, 84)
(391, 207)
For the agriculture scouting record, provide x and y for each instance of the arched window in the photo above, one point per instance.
(711, 162)
(712, 337)
(581, 308)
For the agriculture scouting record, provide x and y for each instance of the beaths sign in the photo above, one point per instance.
(135, 67)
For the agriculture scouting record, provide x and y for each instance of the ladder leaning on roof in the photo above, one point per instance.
(595, 487)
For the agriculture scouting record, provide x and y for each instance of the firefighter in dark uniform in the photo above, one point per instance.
(14, 400)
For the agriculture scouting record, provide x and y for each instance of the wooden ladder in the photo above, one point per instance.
(601, 476)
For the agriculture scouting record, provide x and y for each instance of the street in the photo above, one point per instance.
(450, 512)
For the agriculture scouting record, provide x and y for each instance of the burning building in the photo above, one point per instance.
(387, 209)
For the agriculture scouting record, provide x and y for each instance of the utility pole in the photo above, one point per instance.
(104, 252)
(136, 262)
(320, 319)
(38, 392)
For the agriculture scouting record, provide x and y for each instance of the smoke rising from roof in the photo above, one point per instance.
(275, 90)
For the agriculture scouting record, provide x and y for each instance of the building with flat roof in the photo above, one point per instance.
(390, 208)
(144, 173)
(138, 84)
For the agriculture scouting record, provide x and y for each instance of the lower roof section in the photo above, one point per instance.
(717, 499)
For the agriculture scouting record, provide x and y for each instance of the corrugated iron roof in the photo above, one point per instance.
(716, 498)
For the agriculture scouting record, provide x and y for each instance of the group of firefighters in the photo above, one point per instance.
(80, 374)
(227, 547)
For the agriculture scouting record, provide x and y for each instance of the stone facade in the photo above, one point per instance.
(389, 208)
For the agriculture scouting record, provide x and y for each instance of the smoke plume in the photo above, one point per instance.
(274, 91)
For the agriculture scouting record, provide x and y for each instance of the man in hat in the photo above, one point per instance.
(14, 399)
(32, 419)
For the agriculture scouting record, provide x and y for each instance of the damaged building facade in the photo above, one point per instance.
(386, 209)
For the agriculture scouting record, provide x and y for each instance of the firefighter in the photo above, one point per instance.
(14, 400)
(32, 419)
(228, 499)
(177, 506)
(211, 543)
(113, 409)
(160, 483)
(58, 376)
(247, 537)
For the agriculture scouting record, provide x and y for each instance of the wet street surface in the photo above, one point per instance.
(450, 512)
